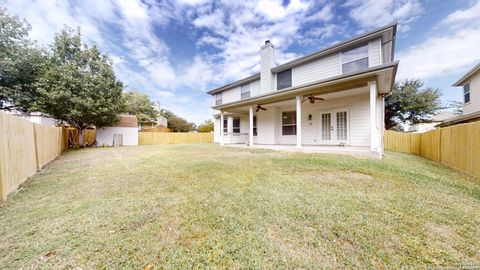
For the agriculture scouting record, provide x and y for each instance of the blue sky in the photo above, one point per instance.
(175, 51)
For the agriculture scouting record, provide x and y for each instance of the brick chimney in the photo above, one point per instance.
(267, 62)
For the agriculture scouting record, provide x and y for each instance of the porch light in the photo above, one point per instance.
(310, 117)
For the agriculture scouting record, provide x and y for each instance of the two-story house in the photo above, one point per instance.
(470, 83)
(333, 97)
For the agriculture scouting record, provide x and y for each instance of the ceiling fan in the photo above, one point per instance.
(260, 108)
(312, 99)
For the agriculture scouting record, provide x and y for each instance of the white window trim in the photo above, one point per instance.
(469, 92)
(282, 125)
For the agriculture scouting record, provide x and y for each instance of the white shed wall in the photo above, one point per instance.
(105, 135)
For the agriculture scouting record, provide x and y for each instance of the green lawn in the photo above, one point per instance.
(193, 206)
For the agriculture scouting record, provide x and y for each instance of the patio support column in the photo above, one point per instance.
(373, 116)
(221, 128)
(250, 128)
(299, 120)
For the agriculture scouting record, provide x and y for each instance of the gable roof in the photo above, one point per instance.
(318, 54)
(467, 76)
(235, 84)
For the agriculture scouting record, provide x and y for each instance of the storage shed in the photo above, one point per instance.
(125, 132)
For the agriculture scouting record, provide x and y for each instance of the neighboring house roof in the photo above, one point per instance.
(442, 116)
(126, 120)
(316, 55)
(471, 117)
(467, 76)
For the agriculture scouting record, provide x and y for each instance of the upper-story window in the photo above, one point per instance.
(245, 91)
(236, 125)
(466, 93)
(284, 79)
(218, 99)
(355, 59)
(289, 123)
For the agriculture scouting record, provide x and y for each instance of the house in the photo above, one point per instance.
(330, 100)
(470, 83)
(35, 117)
(434, 121)
(125, 132)
(160, 122)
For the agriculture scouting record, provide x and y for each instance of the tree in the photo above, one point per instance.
(455, 106)
(21, 64)
(177, 123)
(410, 103)
(206, 127)
(79, 87)
(139, 104)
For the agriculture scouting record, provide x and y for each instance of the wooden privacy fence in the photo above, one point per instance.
(25, 147)
(173, 137)
(455, 146)
(88, 137)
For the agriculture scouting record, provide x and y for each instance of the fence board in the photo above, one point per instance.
(173, 138)
(456, 146)
(17, 152)
(47, 143)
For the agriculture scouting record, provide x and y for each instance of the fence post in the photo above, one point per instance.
(3, 159)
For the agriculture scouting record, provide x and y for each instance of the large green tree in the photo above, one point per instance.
(207, 126)
(21, 64)
(79, 87)
(177, 123)
(410, 103)
(139, 104)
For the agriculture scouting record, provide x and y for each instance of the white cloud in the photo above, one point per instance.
(274, 9)
(324, 14)
(165, 94)
(376, 13)
(198, 75)
(470, 15)
(240, 28)
(456, 48)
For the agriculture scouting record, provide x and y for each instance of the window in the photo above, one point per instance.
(218, 99)
(236, 125)
(245, 91)
(355, 59)
(284, 79)
(289, 123)
(466, 93)
(342, 126)
(225, 126)
(254, 126)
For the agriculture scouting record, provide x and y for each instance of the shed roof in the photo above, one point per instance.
(125, 120)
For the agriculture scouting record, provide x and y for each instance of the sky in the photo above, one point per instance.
(175, 51)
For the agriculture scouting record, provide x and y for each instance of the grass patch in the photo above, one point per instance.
(198, 206)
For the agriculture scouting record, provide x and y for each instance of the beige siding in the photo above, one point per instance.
(231, 95)
(374, 53)
(266, 127)
(255, 88)
(269, 126)
(359, 119)
(474, 104)
(322, 68)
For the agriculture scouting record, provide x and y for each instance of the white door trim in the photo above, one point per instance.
(333, 123)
